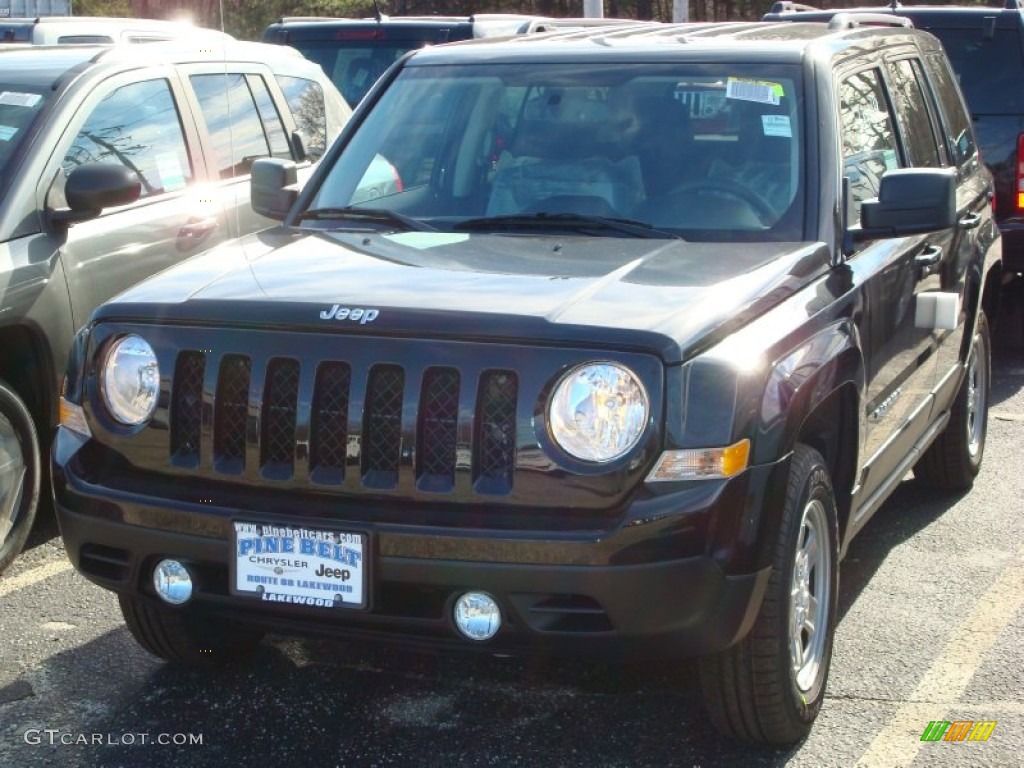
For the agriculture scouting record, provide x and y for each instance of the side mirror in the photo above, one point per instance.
(94, 186)
(910, 201)
(273, 187)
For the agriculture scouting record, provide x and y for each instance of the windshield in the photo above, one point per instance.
(19, 106)
(700, 151)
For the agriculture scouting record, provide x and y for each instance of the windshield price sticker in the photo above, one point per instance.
(760, 91)
(299, 566)
(18, 99)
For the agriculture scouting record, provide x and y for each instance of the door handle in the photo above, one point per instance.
(970, 221)
(197, 230)
(927, 259)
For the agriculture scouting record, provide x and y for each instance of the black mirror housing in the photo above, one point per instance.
(273, 187)
(94, 186)
(910, 201)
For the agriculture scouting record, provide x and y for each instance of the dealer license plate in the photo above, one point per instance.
(300, 566)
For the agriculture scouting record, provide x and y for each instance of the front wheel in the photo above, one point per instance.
(20, 470)
(770, 686)
(953, 460)
(185, 637)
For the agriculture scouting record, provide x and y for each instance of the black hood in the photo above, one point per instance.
(666, 296)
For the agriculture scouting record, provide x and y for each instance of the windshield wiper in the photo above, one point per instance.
(367, 215)
(575, 222)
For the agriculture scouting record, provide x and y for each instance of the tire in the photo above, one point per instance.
(20, 472)
(953, 460)
(185, 637)
(760, 689)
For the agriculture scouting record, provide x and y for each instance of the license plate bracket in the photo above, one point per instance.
(299, 565)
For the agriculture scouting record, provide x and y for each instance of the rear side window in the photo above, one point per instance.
(137, 126)
(990, 69)
(84, 39)
(868, 136)
(912, 111)
(16, 34)
(234, 122)
(957, 121)
(306, 101)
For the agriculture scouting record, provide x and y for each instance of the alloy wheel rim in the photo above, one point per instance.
(810, 594)
(12, 477)
(976, 392)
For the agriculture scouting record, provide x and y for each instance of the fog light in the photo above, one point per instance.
(477, 616)
(172, 581)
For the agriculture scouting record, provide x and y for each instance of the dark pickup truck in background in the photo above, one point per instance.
(355, 52)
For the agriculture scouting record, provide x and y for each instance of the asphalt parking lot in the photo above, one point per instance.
(931, 629)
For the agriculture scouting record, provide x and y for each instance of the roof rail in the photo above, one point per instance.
(542, 24)
(857, 20)
(786, 6)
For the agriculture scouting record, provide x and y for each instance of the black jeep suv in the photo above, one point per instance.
(645, 327)
(986, 48)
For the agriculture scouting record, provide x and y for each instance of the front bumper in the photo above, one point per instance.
(616, 594)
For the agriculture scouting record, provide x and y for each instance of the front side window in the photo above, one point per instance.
(137, 126)
(703, 151)
(233, 121)
(868, 137)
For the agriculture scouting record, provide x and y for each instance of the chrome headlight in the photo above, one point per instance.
(598, 412)
(131, 380)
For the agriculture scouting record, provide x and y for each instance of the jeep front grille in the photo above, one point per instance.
(360, 424)
(229, 421)
(329, 428)
(277, 444)
(187, 404)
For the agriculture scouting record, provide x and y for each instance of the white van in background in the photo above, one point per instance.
(99, 30)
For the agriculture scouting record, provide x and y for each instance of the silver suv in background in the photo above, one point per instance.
(113, 167)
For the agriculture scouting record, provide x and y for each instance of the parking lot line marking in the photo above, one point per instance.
(28, 578)
(951, 672)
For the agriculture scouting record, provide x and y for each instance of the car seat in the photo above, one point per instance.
(554, 165)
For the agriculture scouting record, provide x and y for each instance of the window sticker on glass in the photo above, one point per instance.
(171, 177)
(18, 99)
(777, 125)
(6, 132)
(761, 91)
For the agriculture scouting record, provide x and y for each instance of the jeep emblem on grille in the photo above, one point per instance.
(338, 312)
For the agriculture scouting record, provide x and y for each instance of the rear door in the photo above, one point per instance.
(974, 216)
(240, 121)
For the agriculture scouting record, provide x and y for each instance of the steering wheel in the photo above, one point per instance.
(765, 211)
